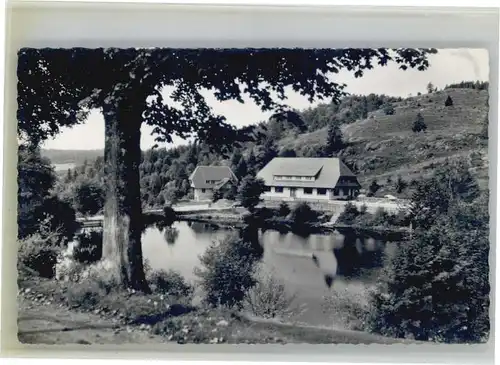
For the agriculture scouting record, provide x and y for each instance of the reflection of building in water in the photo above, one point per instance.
(370, 244)
(358, 254)
(359, 245)
(202, 228)
(314, 243)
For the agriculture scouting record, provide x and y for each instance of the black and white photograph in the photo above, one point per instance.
(253, 196)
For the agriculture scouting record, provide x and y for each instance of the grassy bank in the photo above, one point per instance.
(128, 317)
(271, 220)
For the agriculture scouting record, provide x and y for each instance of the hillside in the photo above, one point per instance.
(76, 157)
(383, 146)
(379, 146)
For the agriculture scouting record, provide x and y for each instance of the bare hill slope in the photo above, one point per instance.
(384, 146)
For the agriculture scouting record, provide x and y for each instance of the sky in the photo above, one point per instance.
(446, 67)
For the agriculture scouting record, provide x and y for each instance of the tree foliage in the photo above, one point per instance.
(430, 87)
(484, 128)
(400, 184)
(89, 198)
(287, 152)
(36, 177)
(163, 88)
(437, 285)
(476, 85)
(249, 192)
(283, 209)
(303, 213)
(227, 271)
(374, 187)
(38, 209)
(58, 87)
(349, 214)
(389, 109)
(419, 124)
(448, 101)
(334, 140)
(346, 111)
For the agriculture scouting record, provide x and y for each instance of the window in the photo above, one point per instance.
(335, 191)
(202, 190)
(278, 189)
(321, 191)
(308, 191)
(267, 188)
(212, 181)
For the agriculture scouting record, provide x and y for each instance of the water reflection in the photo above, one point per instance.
(202, 229)
(170, 234)
(310, 267)
(357, 255)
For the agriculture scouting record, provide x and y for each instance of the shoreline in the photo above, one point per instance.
(389, 233)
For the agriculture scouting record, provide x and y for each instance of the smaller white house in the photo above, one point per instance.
(308, 178)
(205, 179)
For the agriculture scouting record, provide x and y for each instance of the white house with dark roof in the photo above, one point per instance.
(205, 179)
(308, 178)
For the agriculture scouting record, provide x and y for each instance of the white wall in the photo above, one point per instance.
(273, 195)
(199, 195)
(300, 194)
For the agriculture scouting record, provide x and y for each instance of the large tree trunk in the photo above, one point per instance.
(122, 250)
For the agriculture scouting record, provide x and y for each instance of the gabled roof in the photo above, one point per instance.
(326, 170)
(202, 174)
(223, 182)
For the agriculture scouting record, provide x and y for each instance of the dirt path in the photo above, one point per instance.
(51, 324)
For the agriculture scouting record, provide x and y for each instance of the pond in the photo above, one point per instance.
(353, 261)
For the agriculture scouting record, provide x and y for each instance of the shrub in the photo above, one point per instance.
(283, 209)
(389, 109)
(419, 124)
(347, 308)
(269, 298)
(89, 248)
(349, 215)
(50, 216)
(363, 209)
(169, 282)
(400, 184)
(264, 213)
(38, 256)
(227, 271)
(374, 187)
(86, 294)
(217, 195)
(380, 218)
(303, 213)
(448, 101)
(89, 198)
(401, 218)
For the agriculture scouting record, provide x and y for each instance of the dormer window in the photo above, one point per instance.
(294, 178)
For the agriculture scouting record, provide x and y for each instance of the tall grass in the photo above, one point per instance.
(348, 309)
